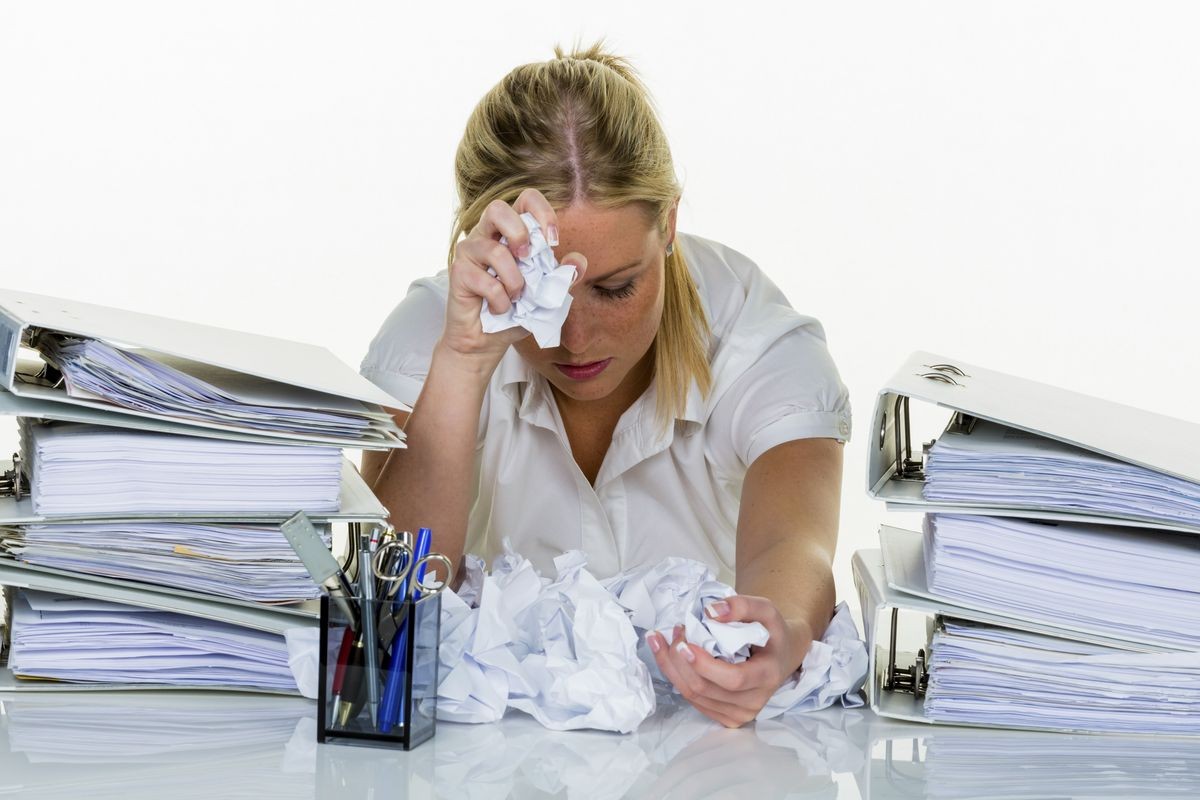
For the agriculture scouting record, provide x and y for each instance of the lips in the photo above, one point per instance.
(583, 372)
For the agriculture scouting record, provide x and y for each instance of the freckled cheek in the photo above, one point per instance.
(636, 324)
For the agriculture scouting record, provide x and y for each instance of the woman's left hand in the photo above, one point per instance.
(733, 694)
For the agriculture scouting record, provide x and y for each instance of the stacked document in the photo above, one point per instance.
(72, 357)
(178, 388)
(981, 674)
(158, 459)
(1120, 583)
(75, 639)
(78, 469)
(1056, 584)
(1000, 466)
(245, 562)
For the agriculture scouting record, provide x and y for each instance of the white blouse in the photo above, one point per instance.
(658, 493)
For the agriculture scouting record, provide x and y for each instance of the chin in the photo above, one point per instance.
(591, 390)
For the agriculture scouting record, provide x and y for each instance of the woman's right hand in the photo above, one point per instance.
(471, 284)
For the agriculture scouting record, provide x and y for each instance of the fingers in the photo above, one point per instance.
(679, 661)
(579, 262)
(488, 254)
(483, 250)
(734, 678)
(501, 219)
(744, 608)
(534, 202)
(470, 275)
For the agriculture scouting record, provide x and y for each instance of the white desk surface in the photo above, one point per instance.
(135, 745)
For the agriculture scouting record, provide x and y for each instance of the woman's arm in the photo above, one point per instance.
(787, 533)
(428, 483)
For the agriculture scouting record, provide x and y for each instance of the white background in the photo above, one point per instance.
(1013, 184)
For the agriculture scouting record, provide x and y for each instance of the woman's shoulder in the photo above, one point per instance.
(397, 359)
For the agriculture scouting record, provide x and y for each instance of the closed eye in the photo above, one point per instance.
(615, 293)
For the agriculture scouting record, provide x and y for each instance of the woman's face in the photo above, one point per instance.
(615, 310)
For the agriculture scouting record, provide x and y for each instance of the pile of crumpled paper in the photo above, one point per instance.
(571, 652)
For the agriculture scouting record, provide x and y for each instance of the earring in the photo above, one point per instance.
(671, 249)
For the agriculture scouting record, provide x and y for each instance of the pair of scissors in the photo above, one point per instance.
(398, 565)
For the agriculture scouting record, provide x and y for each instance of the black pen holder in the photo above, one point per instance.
(401, 711)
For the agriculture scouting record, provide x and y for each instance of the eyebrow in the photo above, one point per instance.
(615, 272)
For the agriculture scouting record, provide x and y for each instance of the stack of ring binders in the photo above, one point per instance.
(1053, 584)
(159, 459)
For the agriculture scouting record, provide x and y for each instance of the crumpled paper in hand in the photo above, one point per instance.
(675, 591)
(570, 651)
(543, 305)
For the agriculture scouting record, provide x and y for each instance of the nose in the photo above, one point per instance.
(576, 336)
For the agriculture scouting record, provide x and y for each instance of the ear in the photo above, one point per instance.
(672, 215)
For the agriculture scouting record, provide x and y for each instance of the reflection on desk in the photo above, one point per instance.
(118, 744)
(183, 745)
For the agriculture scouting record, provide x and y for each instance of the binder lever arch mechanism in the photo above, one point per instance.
(904, 466)
(13, 483)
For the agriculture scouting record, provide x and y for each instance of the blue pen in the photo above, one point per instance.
(393, 690)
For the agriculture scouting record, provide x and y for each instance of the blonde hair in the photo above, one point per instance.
(582, 127)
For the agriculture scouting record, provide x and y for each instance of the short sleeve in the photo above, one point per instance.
(398, 359)
(793, 391)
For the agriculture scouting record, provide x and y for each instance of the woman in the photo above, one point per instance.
(687, 411)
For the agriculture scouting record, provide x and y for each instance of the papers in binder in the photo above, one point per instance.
(74, 639)
(1024, 605)
(245, 562)
(175, 387)
(186, 375)
(1136, 585)
(985, 675)
(995, 464)
(90, 470)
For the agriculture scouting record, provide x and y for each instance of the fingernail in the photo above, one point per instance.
(515, 296)
(523, 251)
(552, 236)
(677, 632)
(652, 640)
(717, 608)
(685, 651)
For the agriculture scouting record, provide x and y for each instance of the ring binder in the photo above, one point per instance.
(247, 370)
(896, 466)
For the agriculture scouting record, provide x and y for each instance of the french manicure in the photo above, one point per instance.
(685, 651)
(652, 640)
(552, 236)
(717, 608)
(523, 251)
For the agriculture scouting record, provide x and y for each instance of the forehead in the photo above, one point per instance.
(610, 238)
